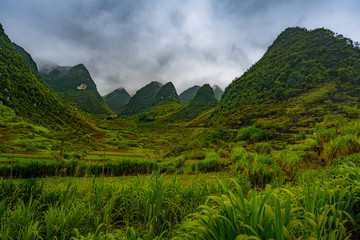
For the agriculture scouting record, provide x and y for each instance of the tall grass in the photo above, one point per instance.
(76, 168)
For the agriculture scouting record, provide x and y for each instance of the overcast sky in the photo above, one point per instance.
(128, 43)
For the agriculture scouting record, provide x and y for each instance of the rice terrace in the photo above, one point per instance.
(262, 141)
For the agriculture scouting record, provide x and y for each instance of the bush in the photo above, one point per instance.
(237, 154)
(290, 161)
(211, 163)
(223, 153)
(260, 169)
(324, 135)
(341, 146)
(251, 134)
(263, 148)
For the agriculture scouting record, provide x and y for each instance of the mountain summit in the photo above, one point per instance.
(299, 72)
(76, 85)
(117, 99)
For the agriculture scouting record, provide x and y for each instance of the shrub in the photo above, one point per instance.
(237, 154)
(290, 161)
(324, 135)
(223, 153)
(263, 148)
(251, 134)
(343, 145)
(261, 169)
(211, 163)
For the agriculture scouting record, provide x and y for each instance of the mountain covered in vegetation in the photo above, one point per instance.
(203, 100)
(188, 94)
(117, 100)
(21, 91)
(30, 61)
(75, 84)
(304, 77)
(151, 95)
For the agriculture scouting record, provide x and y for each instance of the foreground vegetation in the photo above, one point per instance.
(319, 204)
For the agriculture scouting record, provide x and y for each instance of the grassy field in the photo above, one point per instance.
(152, 181)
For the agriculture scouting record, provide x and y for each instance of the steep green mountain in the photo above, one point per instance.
(21, 91)
(188, 94)
(153, 94)
(76, 85)
(142, 100)
(303, 77)
(218, 92)
(117, 100)
(203, 100)
(166, 94)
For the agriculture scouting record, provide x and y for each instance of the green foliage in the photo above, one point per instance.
(117, 100)
(237, 154)
(343, 145)
(251, 134)
(261, 169)
(211, 163)
(64, 82)
(263, 148)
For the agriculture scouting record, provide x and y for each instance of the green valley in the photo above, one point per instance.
(274, 156)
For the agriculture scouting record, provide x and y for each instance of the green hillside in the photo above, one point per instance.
(166, 94)
(302, 78)
(203, 100)
(76, 85)
(188, 94)
(30, 61)
(21, 91)
(117, 100)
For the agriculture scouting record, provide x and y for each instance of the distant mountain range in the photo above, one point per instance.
(305, 78)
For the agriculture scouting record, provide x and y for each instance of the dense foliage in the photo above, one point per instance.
(64, 81)
(298, 62)
(117, 100)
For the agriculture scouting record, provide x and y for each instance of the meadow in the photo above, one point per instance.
(150, 181)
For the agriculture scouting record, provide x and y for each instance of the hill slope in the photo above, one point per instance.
(188, 94)
(203, 100)
(30, 61)
(76, 85)
(301, 71)
(117, 99)
(21, 91)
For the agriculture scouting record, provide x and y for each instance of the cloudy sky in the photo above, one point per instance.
(128, 43)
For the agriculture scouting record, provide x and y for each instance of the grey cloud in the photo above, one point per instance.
(130, 43)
